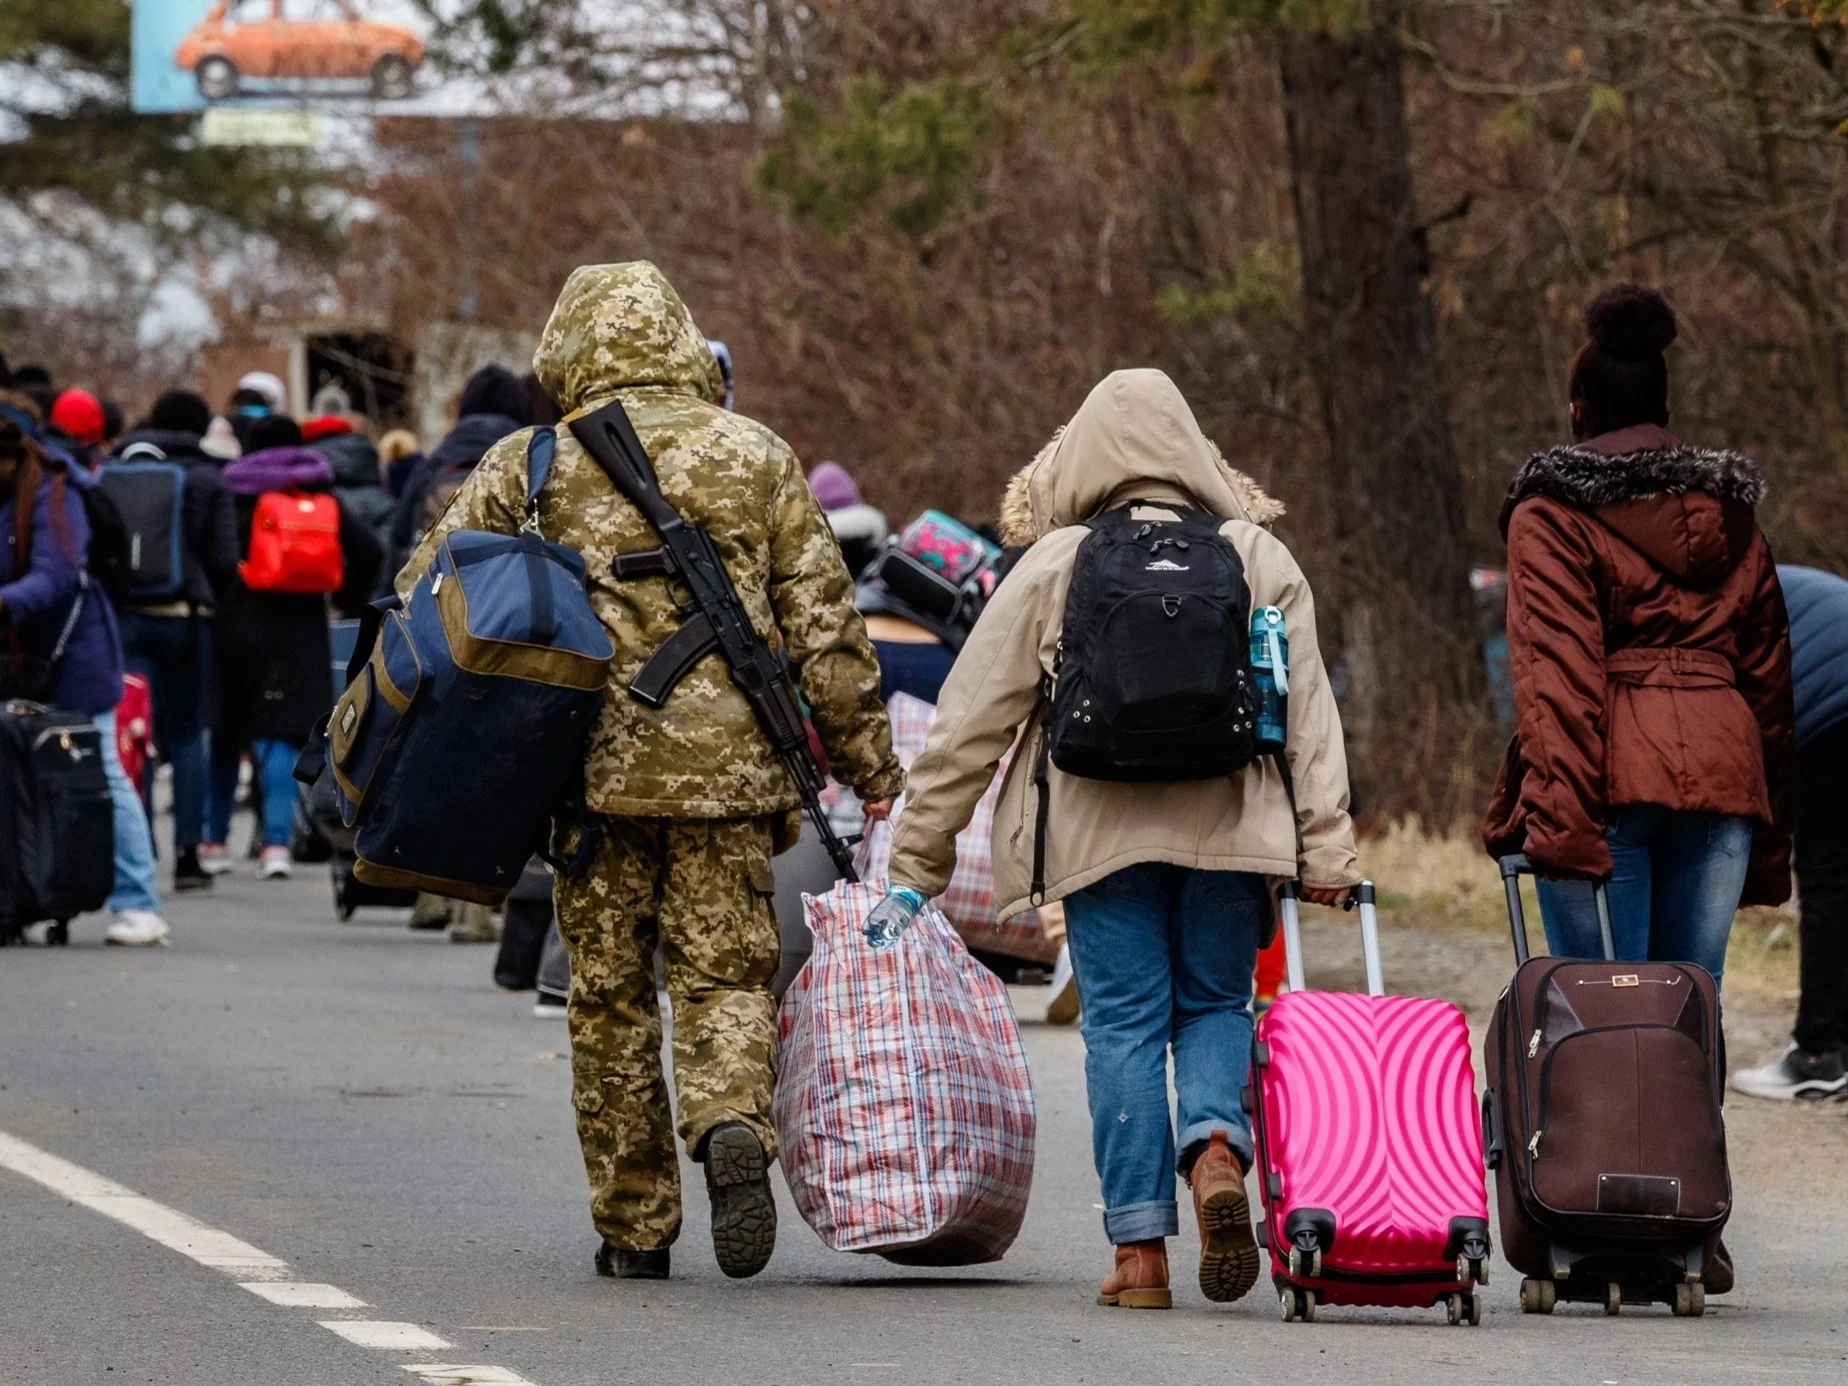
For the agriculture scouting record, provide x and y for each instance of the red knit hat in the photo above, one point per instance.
(79, 416)
(324, 426)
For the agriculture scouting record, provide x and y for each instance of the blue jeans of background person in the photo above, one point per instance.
(174, 653)
(134, 844)
(227, 759)
(1676, 878)
(1163, 957)
(273, 763)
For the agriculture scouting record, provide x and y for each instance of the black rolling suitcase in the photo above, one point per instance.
(1602, 1124)
(57, 824)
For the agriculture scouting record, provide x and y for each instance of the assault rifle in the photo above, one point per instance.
(713, 618)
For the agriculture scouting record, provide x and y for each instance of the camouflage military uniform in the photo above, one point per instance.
(688, 793)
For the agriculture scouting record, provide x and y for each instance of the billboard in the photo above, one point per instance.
(362, 55)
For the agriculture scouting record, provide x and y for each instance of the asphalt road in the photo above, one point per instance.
(362, 1104)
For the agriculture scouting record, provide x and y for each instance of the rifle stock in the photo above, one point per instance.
(718, 620)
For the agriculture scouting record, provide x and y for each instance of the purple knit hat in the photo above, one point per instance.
(833, 487)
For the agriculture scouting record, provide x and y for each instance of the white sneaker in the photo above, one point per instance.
(137, 929)
(1063, 1008)
(215, 858)
(1794, 1077)
(275, 864)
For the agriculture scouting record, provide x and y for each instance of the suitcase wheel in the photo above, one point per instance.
(1538, 1296)
(1613, 1297)
(1472, 1268)
(1305, 1265)
(1298, 1305)
(1690, 1300)
(1464, 1308)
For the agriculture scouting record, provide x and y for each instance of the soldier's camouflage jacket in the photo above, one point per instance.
(622, 331)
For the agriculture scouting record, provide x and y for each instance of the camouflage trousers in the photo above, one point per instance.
(700, 889)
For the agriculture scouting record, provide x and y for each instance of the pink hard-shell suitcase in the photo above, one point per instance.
(1368, 1144)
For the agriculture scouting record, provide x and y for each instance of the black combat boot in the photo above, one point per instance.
(743, 1208)
(620, 1263)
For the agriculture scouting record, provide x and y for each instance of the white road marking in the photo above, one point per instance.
(382, 1333)
(303, 1294)
(155, 1221)
(260, 1273)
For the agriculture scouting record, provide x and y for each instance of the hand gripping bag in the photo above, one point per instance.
(903, 1106)
(969, 901)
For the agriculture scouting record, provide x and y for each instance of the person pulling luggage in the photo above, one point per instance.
(1140, 796)
(685, 801)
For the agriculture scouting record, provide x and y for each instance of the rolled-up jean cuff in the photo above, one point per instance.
(1141, 1222)
(1202, 1131)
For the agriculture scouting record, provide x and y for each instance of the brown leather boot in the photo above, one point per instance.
(1140, 1280)
(1228, 1247)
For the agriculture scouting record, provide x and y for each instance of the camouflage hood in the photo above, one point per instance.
(618, 326)
(1134, 438)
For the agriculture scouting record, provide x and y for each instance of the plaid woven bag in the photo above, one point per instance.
(969, 901)
(904, 1107)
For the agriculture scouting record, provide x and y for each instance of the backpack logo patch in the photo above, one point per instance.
(1166, 565)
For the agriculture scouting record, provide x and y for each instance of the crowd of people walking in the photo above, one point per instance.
(1129, 692)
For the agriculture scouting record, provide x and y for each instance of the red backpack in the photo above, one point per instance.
(294, 544)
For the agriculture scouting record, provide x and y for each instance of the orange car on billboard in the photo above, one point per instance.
(310, 40)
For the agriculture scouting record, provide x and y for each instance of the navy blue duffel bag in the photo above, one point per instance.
(454, 744)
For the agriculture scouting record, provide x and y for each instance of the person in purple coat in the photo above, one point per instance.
(52, 613)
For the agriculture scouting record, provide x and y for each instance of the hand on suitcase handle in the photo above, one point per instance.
(1362, 896)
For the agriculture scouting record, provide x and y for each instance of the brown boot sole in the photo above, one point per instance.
(1229, 1248)
(1138, 1299)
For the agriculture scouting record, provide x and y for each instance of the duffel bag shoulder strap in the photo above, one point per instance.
(540, 449)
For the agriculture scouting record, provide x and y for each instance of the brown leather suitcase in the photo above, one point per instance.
(1602, 1124)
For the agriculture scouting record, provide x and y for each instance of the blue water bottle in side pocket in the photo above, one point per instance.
(1270, 663)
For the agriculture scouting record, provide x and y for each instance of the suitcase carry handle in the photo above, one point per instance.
(1361, 895)
(1512, 869)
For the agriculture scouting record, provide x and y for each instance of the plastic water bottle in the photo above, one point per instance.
(1270, 662)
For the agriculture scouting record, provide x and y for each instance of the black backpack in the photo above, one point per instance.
(1152, 680)
(149, 495)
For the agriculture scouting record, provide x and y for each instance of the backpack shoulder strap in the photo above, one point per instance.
(540, 449)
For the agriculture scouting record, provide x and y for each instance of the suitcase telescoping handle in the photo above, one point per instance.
(1361, 895)
(1512, 869)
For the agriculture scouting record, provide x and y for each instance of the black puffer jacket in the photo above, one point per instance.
(356, 477)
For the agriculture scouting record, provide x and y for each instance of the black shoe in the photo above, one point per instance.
(1716, 1269)
(743, 1208)
(620, 1263)
(188, 874)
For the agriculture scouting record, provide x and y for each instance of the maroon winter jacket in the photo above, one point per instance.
(1649, 649)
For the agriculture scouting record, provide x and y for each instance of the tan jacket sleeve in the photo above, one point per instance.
(992, 690)
(492, 498)
(811, 593)
(1315, 747)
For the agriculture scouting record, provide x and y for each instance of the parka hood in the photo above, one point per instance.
(1134, 438)
(278, 469)
(618, 326)
(1687, 509)
(353, 456)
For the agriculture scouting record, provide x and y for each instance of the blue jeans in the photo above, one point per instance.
(274, 765)
(1676, 878)
(1163, 957)
(174, 653)
(134, 844)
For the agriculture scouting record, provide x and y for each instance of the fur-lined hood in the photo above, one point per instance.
(1133, 439)
(1688, 509)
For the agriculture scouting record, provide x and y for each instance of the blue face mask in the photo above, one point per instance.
(253, 411)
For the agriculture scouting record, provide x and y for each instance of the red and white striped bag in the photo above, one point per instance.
(903, 1105)
(969, 900)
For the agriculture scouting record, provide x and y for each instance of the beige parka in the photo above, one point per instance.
(1133, 440)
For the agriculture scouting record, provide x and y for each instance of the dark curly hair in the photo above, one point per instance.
(1619, 377)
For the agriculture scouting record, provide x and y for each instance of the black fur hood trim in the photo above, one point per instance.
(1588, 479)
